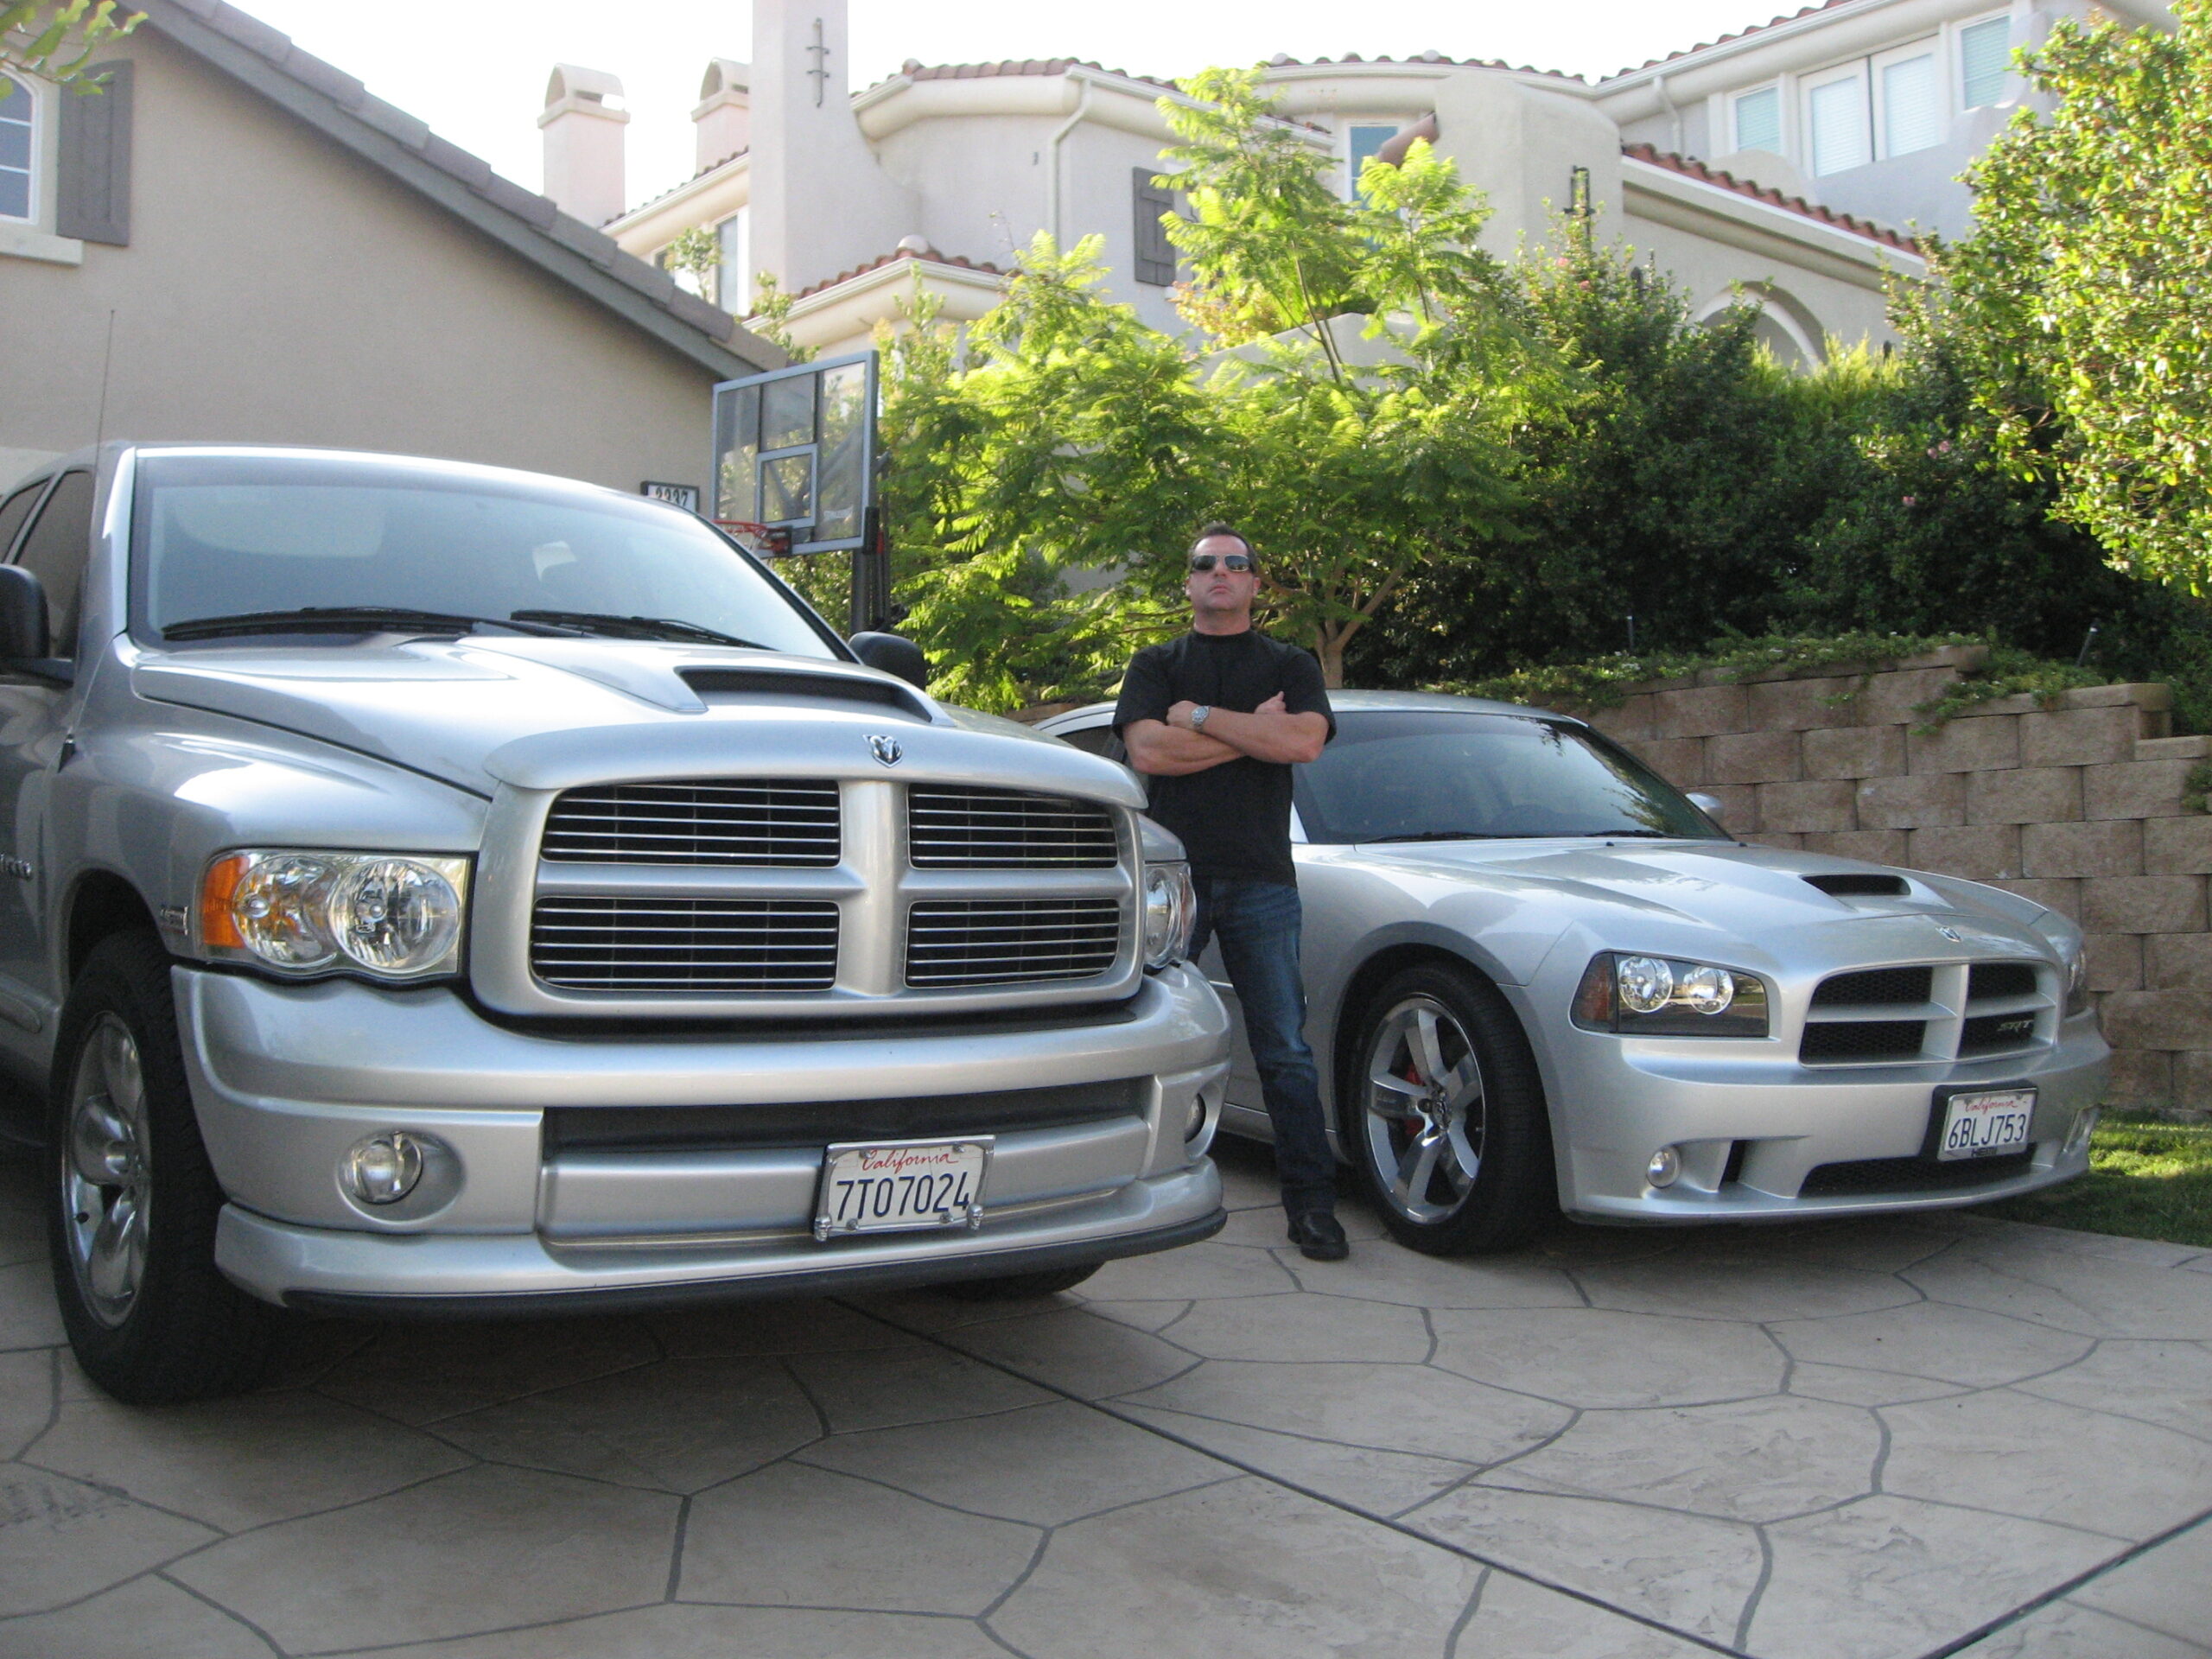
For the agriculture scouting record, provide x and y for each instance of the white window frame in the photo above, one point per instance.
(41, 107)
(1955, 73)
(743, 219)
(1388, 124)
(1930, 46)
(1781, 115)
(1855, 71)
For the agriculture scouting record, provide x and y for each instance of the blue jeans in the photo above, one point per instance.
(1257, 923)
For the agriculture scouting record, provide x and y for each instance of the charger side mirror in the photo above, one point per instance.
(894, 656)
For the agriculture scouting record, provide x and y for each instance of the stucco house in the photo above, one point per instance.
(237, 241)
(1791, 162)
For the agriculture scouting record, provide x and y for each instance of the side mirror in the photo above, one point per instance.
(22, 615)
(894, 655)
(1710, 805)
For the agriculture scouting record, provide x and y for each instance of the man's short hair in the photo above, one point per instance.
(1231, 531)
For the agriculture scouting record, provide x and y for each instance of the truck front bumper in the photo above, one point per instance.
(511, 1217)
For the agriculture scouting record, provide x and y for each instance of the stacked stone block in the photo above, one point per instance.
(2075, 801)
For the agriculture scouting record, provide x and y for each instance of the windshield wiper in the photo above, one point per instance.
(1443, 834)
(344, 619)
(638, 627)
(1629, 834)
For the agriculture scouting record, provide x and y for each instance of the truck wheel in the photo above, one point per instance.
(1019, 1287)
(1450, 1137)
(133, 1221)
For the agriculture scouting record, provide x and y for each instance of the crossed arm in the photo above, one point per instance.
(1170, 748)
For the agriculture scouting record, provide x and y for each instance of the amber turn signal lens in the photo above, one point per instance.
(217, 925)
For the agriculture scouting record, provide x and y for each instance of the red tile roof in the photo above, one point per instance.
(1754, 29)
(1284, 61)
(1690, 167)
(930, 254)
(914, 69)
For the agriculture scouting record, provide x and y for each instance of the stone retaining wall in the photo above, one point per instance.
(2075, 802)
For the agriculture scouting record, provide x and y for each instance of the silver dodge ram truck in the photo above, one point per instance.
(440, 889)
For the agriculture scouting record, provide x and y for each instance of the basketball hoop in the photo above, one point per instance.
(768, 542)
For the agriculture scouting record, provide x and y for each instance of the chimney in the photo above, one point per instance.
(723, 119)
(821, 202)
(582, 122)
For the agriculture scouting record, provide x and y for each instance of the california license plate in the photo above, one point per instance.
(1981, 1122)
(895, 1186)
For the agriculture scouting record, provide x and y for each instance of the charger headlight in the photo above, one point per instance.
(391, 916)
(2077, 979)
(1171, 910)
(1664, 996)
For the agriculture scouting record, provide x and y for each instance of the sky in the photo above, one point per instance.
(476, 69)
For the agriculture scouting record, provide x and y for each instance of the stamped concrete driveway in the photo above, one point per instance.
(1911, 1437)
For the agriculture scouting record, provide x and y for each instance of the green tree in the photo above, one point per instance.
(2078, 306)
(1349, 404)
(57, 38)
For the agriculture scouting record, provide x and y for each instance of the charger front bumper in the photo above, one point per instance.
(1752, 1125)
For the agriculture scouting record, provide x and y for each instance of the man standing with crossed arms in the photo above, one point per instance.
(1217, 719)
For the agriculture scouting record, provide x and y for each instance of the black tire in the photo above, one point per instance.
(1019, 1287)
(1460, 1163)
(133, 1201)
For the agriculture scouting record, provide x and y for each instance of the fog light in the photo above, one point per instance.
(382, 1169)
(2085, 1125)
(1665, 1166)
(1195, 1119)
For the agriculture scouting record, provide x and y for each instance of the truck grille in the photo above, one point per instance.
(999, 941)
(961, 828)
(765, 823)
(664, 945)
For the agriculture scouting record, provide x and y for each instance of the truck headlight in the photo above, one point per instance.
(391, 915)
(1171, 910)
(1662, 997)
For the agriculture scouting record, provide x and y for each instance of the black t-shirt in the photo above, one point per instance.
(1233, 819)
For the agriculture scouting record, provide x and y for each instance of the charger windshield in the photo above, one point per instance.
(222, 536)
(1447, 776)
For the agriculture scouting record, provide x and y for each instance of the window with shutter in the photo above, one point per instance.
(93, 199)
(1155, 254)
(1836, 111)
(17, 110)
(1985, 58)
(1911, 112)
(1758, 120)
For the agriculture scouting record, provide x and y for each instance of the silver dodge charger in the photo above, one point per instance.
(1537, 971)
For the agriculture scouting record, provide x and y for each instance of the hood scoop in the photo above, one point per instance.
(1854, 884)
(724, 685)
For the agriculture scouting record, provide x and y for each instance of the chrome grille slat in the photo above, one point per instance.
(996, 941)
(956, 827)
(717, 946)
(771, 822)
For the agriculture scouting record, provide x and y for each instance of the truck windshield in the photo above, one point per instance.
(255, 536)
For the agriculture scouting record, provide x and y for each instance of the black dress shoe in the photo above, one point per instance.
(1319, 1237)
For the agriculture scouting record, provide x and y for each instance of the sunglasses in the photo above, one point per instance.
(1238, 562)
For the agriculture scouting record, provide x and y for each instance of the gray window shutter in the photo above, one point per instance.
(1155, 253)
(93, 202)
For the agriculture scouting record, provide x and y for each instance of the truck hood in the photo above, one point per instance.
(548, 713)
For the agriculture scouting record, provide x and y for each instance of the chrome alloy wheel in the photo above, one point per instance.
(1424, 1113)
(106, 1183)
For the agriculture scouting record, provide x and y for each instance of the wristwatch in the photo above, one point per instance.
(1198, 717)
